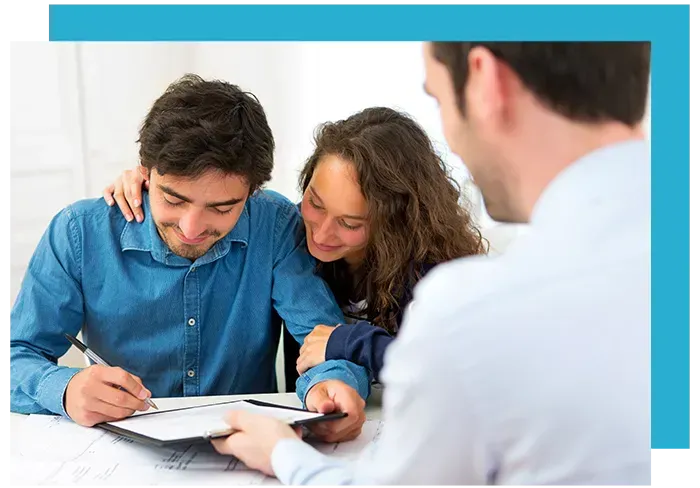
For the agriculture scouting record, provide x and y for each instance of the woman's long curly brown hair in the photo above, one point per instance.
(415, 216)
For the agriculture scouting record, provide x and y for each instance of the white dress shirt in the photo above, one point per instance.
(528, 368)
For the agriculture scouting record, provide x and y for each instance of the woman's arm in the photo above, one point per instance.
(361, 343)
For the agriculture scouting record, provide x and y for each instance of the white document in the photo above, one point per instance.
(55, 450)
(201, 421)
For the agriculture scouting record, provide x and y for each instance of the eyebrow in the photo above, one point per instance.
(170, 191)
(346, 216)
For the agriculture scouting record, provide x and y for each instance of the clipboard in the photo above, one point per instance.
(160, 429)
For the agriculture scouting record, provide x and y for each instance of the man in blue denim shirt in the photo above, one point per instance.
(189, 303)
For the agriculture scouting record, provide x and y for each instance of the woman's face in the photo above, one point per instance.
(335, 213)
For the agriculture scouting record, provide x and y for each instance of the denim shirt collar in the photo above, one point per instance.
(144, 237)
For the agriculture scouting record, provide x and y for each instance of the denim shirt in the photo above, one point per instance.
(208, 327)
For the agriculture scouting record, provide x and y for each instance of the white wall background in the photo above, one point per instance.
(76, 109)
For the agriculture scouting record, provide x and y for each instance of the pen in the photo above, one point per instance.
(92, 355)
(213, 434)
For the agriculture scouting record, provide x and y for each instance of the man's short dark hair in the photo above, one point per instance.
(584, 81)
(198, 125)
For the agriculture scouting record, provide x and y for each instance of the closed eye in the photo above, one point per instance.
(348, 226)
(174, 204)
(314, 204)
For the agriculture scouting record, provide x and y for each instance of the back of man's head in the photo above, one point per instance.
(198, 126)
(584, 81)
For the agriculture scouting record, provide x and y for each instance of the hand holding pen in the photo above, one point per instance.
(102, 393)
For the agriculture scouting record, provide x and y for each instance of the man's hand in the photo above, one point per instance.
(254, 440)
(335, 396)
(92, 395)
(313, 351)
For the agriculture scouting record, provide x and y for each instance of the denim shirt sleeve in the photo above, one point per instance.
(303, 300)
(362, 343)
(49, 304)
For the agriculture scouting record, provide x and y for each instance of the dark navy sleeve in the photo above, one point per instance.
(361, 343)
(365, 344)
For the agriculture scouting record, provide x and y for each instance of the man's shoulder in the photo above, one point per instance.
(88, 207)
(453, 294)
(93, 214)
(461, 280)
(269, 203)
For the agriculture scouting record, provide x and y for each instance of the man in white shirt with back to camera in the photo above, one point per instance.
(531, 367)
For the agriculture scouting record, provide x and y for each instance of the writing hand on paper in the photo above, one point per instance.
(126, 192)
(255, 438)
(313, 351)
(335, 396)
(92, 395)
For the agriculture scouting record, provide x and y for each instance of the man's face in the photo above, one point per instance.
(474, 136)
(192, 214)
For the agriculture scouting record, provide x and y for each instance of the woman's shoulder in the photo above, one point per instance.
(416, 273)
(424, 268)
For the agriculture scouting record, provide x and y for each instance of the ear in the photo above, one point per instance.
(485, 90)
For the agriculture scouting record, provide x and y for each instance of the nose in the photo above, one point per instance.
(192, 224)
(324, 230)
